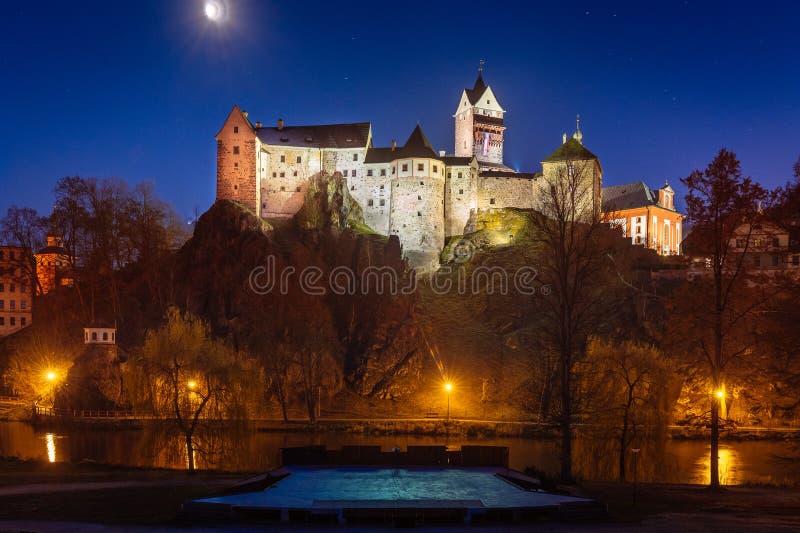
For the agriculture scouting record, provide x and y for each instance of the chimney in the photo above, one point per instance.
(394, 145)
(258, 124)
(280, 124)
(441, 153)
(244, 113)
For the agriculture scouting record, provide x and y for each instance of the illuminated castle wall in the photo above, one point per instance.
(412, 191)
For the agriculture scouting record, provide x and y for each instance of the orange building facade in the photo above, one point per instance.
(646, 216)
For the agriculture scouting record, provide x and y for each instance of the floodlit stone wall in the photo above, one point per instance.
(417, 205)
(461, 197)
(499, 192)
(373, 194)
(236, 162)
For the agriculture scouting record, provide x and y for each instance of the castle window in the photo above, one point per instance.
(355, 157)
(352, 187)
(419, 197)
(353, 173)
(459, 175)
(435, 168)
(105, 335)
(283, 189)
(299, 159)
(405, 167)
(776, 243)
(383, 172)
(460, 191)
(422, 183)
(283, 174)
(381, 187)
(22, 321)
(12, 304)
(263, 206)
(419, 213)
(235, 150)
(236, 165)
(94, 335)
(420, 167)
(491, 201)
(449, 175)
(235, 187)
(23, 304)
(740, 243)
(297, 189)
(2, 304)
(370, 203)
(283, 159)
(383, 202)
(13, 321)
(294, 173)
(369, 172)
(274, 174)
(236, 129)
(2, 321)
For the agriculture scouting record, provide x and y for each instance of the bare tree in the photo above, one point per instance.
(723, 207)
(23, 227)
(574, 246)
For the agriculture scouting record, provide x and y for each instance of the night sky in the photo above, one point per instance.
(137, 90)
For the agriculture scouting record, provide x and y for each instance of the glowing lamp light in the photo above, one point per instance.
(720, 394)
(51, 376)
(191, 384)
(448, 387)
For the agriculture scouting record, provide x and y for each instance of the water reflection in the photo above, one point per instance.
(50, 440)
(667, 461)
(728, 467)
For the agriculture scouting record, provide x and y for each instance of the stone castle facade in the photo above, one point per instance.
(412, 191)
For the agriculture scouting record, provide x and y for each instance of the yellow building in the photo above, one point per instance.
(646, 216)
(16, 301)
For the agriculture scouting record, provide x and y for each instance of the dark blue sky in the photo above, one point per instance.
(137, 90)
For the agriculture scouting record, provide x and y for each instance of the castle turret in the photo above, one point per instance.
(572, 161)
(416, 214)
(237, 161)
(479, 127)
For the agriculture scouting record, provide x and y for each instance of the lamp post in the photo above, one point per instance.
(635, 452)
(51, 377)
(448, 387)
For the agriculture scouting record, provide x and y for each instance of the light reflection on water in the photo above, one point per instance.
(50, 440)
(678, 461)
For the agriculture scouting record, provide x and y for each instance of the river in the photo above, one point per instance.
(674, 461)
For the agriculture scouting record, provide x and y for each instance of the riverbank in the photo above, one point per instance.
(435, 427)
(89, 493)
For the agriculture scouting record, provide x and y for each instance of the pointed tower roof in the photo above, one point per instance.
(477, 90)
(237, 116)
(418, 145)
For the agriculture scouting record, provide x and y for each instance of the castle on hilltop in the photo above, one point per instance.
(412, 191)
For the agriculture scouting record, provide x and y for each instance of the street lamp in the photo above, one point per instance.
(51, 377)
(191, 384)
(448, 387)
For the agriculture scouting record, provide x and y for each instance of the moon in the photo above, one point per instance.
(213, 11)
